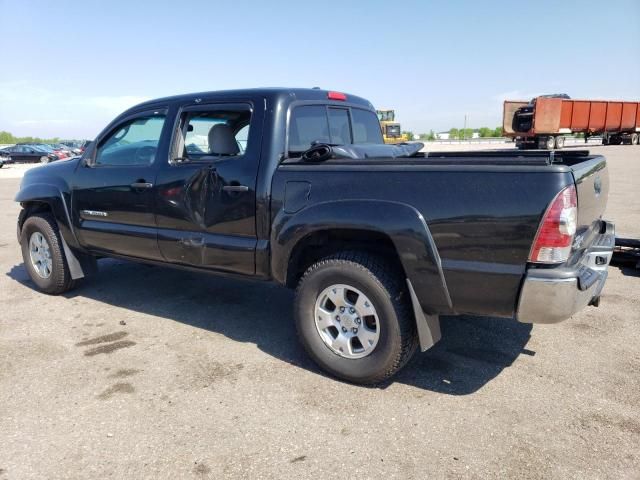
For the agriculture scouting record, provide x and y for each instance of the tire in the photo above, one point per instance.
(550, 143)
(634, 139)
(59, 279)
(559, 142)
(44, 159)
(385, 288)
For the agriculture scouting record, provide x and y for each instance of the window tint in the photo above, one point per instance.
(308, 124)
(242, 137)
(366, 127)
(213, 133)
(133, 143)
(318, 124)
(339, 126)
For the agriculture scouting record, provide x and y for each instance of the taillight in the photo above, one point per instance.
(555, 234)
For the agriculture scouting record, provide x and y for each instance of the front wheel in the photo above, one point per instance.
(44, 159)
(354, 317)
(43, 255)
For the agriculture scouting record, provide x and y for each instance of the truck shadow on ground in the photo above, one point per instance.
(472, 352)
(627, 268)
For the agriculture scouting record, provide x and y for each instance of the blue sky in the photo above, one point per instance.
(68, 67)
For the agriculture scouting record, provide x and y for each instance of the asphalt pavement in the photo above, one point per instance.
(149, 372)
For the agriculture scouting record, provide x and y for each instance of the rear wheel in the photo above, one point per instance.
(354, 317)
(550, 143)
(43, 256)
(547, 143)
(44, 159)
(634, 139)
(559, 142)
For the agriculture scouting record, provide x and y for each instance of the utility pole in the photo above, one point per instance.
(464, 130)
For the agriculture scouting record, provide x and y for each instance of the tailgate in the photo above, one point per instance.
(592, 184)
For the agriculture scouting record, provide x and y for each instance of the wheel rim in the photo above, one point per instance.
(44, 159)
(347, 321)
(40, 255)
(550, 143)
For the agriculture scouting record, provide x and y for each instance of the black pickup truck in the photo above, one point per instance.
(297, 187)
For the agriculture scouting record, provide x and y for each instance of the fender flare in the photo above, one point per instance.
(402, 223)
(52, 196)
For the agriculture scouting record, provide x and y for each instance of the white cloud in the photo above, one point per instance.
(31, 110)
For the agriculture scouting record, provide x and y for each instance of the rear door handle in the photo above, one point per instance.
(141, 185)
(235, 188)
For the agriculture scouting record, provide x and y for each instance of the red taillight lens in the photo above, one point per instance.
(336, 96)
(555, 234)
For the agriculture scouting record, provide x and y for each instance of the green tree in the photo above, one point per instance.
(497, 132)
(454, 133)
(431, 136)
(6, 137)
(485, 132)
(409, 135)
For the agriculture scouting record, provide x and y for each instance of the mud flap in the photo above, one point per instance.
(427, 326)
(79, 267)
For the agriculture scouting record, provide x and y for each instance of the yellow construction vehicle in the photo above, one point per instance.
(391, 131)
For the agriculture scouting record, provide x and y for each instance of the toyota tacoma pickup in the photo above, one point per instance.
(297, 187)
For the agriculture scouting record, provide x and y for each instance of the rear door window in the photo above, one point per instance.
(213, 133)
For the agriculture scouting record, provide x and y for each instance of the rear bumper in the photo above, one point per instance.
(553, 295)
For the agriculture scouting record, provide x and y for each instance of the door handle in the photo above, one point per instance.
(141, 185)
(235, 188)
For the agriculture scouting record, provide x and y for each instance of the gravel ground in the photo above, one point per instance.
(145, 372)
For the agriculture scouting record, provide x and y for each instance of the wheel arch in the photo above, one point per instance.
(392, 228)
(40, 197)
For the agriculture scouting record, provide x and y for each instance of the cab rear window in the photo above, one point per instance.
(314, 124)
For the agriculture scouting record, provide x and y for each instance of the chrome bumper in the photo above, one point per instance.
(553, 295)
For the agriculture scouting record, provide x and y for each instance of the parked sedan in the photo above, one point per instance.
(59, 148)
(28, 153)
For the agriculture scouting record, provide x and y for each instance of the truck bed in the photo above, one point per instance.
(480, 158)
(482, 208)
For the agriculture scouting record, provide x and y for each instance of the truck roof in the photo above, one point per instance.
(277, 94)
